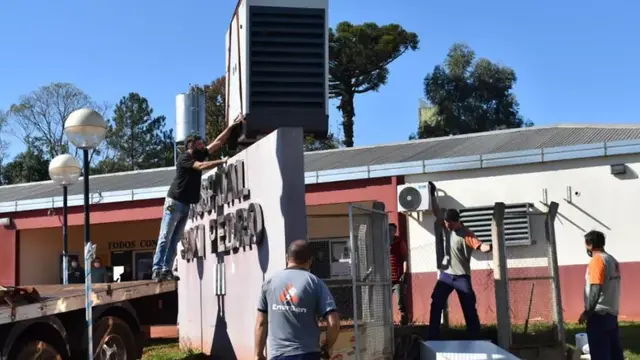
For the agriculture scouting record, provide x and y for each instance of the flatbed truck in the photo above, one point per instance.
(49, 323)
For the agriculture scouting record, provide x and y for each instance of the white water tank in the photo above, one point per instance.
(190, 115)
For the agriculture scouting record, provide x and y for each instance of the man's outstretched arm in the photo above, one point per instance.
(206, 165)
(217, 144)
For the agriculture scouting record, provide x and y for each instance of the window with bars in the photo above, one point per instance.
(517, 224)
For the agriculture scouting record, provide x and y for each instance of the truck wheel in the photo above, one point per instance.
(114, 339)
(38, 350)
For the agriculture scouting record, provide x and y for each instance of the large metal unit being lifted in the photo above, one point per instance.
(277, 67)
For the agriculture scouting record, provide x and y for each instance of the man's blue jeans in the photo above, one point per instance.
(444, 287)
(174, 219)
(604, 337)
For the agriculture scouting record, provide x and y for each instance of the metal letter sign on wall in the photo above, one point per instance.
(229, 231)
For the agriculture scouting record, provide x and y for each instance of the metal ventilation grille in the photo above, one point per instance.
(288, 57)
(517, 229)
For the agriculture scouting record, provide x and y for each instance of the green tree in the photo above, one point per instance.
(331, 142)
(216, 121)
(28, 166)
(136, 139)
(215, 108)
(40, 115)
(3, 143)
(469, 96)
(359, 56)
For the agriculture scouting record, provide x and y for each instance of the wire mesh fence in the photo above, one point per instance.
(354, 263)
(371, 276)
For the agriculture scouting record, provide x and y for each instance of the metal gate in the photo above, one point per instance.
(371, 283)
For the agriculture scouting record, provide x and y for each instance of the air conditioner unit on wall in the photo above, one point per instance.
(413, 197)
(277, 55)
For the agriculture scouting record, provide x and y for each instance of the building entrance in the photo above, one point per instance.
(138, 263)
(143, 264)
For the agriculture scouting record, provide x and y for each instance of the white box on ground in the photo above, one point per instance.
(463, 350)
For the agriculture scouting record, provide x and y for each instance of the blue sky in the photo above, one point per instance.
(576, 61)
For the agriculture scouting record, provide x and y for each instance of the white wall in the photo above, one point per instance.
(605, 202)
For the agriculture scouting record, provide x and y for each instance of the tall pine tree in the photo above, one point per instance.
(136, 139)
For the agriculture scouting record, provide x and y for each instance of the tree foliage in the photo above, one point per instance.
(330, 143)
(136, 139)
(216, 122)
(359, 56)
(28, 166)
(3, 143)
(40, 116)
(215, 103)
(469, 96)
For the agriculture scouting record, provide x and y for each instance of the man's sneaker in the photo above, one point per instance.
(156, 275)
(169, 276)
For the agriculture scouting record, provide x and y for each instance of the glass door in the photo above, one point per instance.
(143, 264)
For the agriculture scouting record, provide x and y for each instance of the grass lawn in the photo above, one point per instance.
(168, 349)
(629, 335)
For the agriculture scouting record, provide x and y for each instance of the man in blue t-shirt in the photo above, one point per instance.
(288, 307)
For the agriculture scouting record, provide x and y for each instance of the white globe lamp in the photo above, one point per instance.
(64, 170)
(85, 128)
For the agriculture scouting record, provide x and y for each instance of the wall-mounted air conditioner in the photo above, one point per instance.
(413, 197)
(277, 55)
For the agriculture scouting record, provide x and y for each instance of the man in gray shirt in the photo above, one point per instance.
(288, 307)
(456, 273)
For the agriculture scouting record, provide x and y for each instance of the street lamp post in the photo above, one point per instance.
(85, 129)
(64, 170)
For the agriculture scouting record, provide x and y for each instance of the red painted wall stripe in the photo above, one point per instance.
(100, 214)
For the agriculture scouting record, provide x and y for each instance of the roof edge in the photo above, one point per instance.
(487, 133)
(514, 158)
(80, 179)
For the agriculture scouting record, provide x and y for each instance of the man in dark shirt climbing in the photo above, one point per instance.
(184, 191)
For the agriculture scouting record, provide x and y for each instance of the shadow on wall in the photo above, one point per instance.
(629, 174)
(221, 346)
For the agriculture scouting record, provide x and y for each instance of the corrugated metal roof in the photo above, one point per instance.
(474, 144)
(102, 183)
(440, 148)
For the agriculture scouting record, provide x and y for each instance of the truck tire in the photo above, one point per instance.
(37, 350)
(114, 340)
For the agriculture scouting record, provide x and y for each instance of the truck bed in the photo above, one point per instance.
(57, 299)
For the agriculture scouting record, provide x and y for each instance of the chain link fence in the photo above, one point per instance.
(371, 279)
(362, 292)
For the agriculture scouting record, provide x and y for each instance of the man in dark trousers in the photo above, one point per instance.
(398, 257)
(184, 191)
(288, 309)
(602, 300)
(76, 273)
(457, 272)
